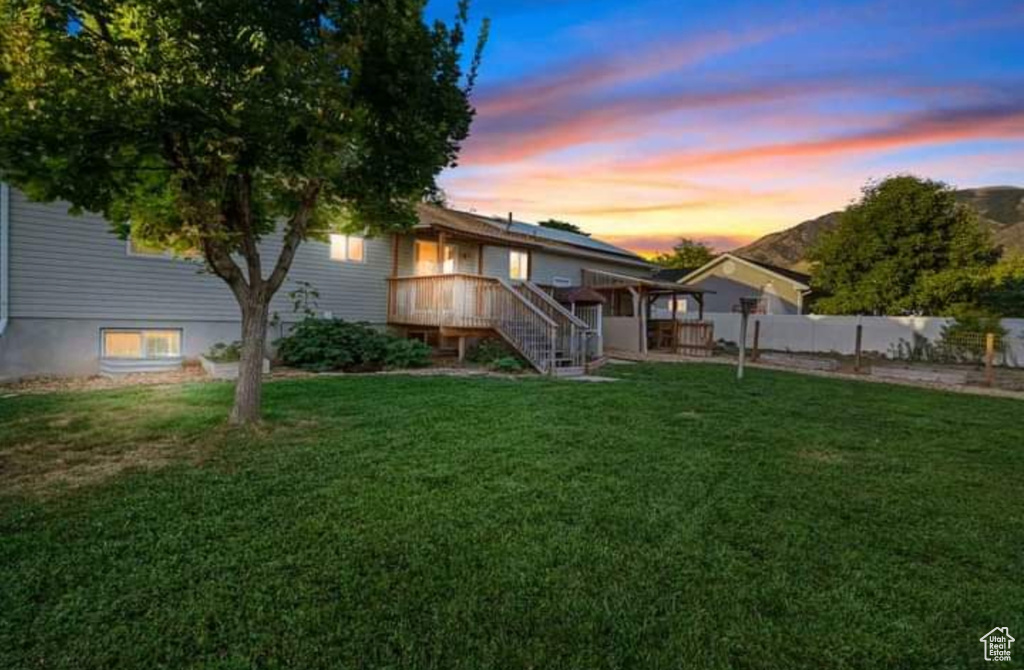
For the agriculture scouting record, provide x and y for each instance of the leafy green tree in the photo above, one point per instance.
(906, 247)
(211, 125)
(562, 225)
(686, 255)
(1003, 292)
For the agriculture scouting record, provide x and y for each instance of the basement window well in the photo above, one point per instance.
(141, 344)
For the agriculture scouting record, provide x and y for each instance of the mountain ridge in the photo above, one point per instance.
(1001, 209)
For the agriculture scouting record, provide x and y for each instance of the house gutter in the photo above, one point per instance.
(5, 255)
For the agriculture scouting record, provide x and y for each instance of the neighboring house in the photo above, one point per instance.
(731, 277)
(75, 299)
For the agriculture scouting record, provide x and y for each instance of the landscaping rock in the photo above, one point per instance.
(800, 362)
(926, 375)
(226, 370)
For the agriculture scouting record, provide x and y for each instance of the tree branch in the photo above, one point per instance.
(222, 265)
(243, 188)
(294, 234)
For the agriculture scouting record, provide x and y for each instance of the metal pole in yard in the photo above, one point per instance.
(746, 307)
(990, 355)
(860, 337)
(756, 353)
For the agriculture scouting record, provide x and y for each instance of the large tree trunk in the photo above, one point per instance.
(249, 389)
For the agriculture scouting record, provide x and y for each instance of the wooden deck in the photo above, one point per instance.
(541, 330)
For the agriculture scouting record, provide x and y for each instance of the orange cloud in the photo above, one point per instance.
(648, 245)
(998, 122)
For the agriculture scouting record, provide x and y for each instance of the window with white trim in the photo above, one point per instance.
(518, 265)
(349, 248)
(561, 282)
(141, 344)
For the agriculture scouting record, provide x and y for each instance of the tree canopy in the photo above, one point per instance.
(562, 225)
(906, 247)
(687, 254)
(209, 125)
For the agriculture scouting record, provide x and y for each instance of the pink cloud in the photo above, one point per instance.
(998, 122)
(567, 124)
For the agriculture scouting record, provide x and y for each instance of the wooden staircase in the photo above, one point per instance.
(544, 333)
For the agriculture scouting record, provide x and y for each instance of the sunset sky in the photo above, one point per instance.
(722, 121)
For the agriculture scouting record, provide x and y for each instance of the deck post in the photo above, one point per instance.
(644, 308)
(462, 348)
(441, 239)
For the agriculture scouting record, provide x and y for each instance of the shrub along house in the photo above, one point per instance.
(78, 300)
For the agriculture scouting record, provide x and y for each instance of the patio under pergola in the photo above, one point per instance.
(629, 324)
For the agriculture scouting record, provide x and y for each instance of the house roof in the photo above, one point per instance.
(672, 274)
(801, 277)
(602, 279)
(580, 294)
(522, 234)
(802, 280)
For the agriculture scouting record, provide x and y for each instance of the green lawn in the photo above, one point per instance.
(671, 519)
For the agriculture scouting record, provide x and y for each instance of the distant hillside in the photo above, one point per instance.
(1001, 208)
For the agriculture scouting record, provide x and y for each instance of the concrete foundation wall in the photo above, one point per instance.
(71, 347)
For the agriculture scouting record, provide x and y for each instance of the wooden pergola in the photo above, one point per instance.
(644, 293)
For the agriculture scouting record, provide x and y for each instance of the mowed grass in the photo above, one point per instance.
(671, 519)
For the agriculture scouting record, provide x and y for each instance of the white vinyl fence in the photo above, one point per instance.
(837, 334)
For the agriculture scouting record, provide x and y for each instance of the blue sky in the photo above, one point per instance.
(648, 121)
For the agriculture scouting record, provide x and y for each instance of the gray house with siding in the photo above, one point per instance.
(78, 300)
(728, 278)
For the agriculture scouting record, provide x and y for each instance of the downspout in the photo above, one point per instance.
(5, 254)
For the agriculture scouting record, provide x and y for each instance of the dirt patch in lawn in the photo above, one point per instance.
(819, 456)
(48, 468)
(34, 385)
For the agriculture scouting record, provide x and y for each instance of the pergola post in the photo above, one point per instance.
(699, 297)
(645, 308)
(675, 323)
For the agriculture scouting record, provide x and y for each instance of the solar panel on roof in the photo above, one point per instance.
(563, 236)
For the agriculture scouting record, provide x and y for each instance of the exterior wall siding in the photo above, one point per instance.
(67, 267)
(547, 266)
(744, 282)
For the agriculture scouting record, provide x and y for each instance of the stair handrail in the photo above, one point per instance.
(547, 319)
(541, 348)
(573, 332)
(555, 306)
